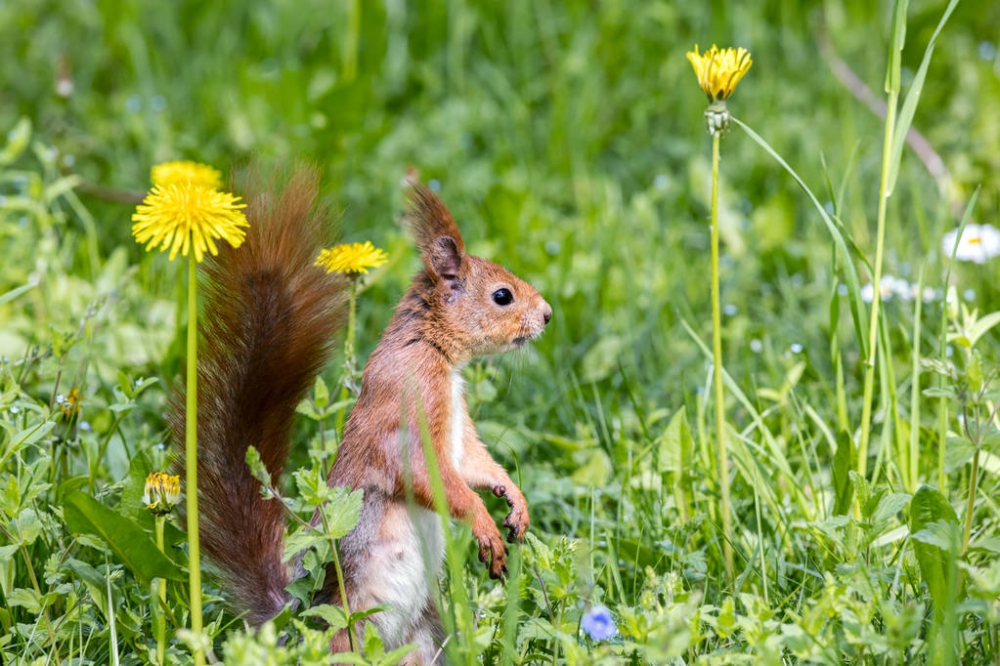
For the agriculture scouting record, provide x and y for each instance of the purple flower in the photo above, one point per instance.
(598, 623)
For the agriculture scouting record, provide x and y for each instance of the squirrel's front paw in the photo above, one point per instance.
(493, 552)
(517, 520)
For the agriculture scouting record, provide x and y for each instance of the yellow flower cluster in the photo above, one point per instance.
(352, 259)
(186, 211)
(719, 70)
(162, 493)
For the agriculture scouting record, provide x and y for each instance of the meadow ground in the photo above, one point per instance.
(569, 140)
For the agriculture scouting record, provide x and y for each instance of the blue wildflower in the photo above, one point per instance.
(598, 623)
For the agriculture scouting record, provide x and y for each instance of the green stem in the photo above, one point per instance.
(349, 360)
(161, 584)
(883, 194)
(352, 640)
(191, 461)
(914, 454)
(352, 40)
(720, 407)
(971, 505)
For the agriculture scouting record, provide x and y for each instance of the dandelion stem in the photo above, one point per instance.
(349, 360)
(720, 407)
(191, 460)
(161, 585)
(883, 199)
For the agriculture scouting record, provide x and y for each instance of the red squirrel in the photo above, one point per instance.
(269, 320)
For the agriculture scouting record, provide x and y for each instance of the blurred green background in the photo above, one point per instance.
(568, 140)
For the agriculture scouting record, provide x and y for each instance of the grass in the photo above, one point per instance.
(568, 140)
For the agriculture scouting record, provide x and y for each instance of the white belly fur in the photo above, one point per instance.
(402, 568)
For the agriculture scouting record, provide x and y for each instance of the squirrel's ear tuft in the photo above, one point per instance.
(434, 230)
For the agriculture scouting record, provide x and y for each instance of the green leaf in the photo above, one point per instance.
(981, 327)
(843, 462)
(17, 141)
(131, 543)
(257, 468)
(321, 394)
(909, 107)
(17, 291)
(341, 511)
(897, 40)
(332, 615)
(93, 580)
(934, 530)
(26, 598)
(675, 445)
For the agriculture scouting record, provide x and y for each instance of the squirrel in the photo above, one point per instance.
(269, 320)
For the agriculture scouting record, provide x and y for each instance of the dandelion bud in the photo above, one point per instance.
(163, 492)
(717, 117)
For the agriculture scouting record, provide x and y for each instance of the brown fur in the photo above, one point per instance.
(447, 317)
(270, 316)
(267, 327)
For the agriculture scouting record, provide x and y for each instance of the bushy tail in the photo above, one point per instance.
(267, 326)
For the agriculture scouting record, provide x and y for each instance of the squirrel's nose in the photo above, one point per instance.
(547, 313)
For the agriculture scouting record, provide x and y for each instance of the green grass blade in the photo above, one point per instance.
(858, 314)
(909, 107)
(898, 39)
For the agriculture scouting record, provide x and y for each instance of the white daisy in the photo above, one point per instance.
(979, 243)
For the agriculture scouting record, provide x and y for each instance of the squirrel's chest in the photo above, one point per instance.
(456, 420)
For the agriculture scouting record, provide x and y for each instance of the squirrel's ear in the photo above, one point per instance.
(430, 222)
(445, 258)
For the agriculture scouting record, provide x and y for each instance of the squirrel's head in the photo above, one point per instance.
(479, 306)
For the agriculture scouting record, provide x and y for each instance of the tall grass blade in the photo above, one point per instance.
(858, 314)
(912, 98)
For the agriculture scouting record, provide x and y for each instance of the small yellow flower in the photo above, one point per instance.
(163, 491)
(719, 71)
(69, 404)
(181, 216)
(186, 173)
(352, 259)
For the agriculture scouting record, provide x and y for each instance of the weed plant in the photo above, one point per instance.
(568, 140)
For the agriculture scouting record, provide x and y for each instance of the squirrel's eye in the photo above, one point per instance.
(503, 297)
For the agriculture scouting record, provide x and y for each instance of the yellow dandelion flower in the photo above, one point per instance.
(179, 217)
(162, 492)
(719, 71)
(352, 259)
(184, 172)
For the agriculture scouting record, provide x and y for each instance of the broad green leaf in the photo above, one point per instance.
(332, 615)
(26, 598)
(131, 543)
(936, 551)
(341, 512)
(93, 580)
